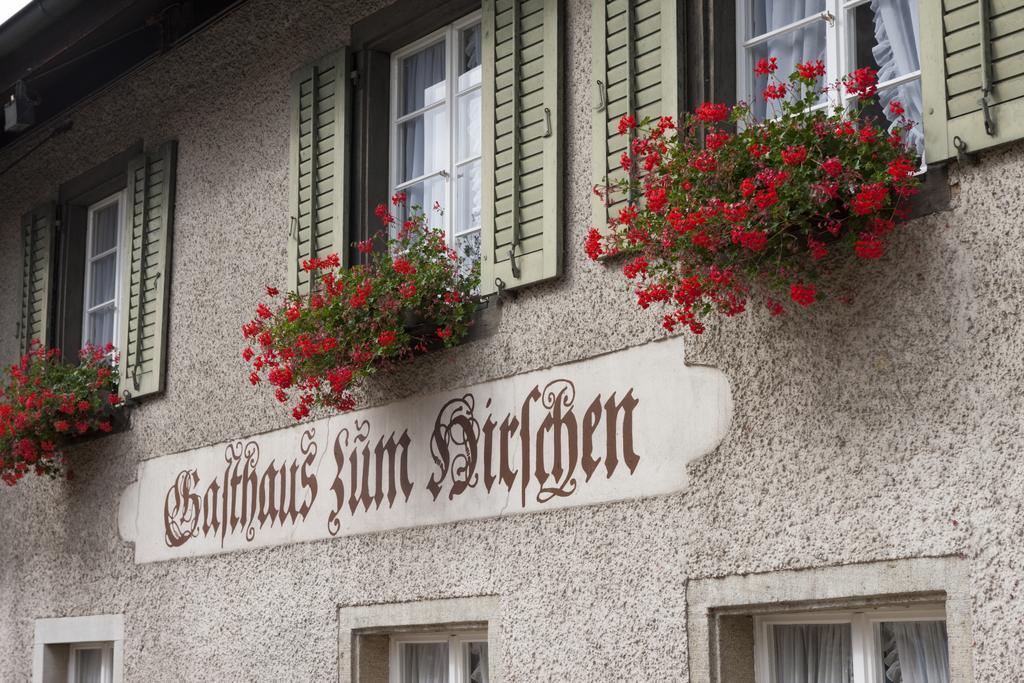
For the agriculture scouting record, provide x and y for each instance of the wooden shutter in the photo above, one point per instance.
(636, 71)
(319, 165)
(38, 237)
(522, 143)
(146, 271)
(977, 65)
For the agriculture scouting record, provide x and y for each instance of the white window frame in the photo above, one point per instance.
(449, 34)
(119, 198)
(865, 634)
(457, 672)
(107, 663)
(840, 46)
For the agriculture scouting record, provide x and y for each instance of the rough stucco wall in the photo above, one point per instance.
(860, 433)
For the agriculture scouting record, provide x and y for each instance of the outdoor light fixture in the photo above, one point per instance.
(19, 111)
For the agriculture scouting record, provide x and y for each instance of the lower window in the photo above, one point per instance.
(889, 645)
(91, 663)
(440, 657)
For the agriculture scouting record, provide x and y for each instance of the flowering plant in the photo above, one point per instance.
(47, 403)
(778, 202)
(360, 319)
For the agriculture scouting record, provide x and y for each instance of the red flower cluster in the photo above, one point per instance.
(312, 348)
(774, 205)
(47, 403)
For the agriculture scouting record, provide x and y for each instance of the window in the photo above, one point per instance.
(436, 130)
(91, 663)
(439, 658)
(845, 35)
(889, 645)
(102, 271)
(79, 649)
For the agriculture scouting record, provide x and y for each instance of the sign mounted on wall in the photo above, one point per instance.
(613, 427)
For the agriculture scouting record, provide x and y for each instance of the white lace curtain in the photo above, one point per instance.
(425, 663)
(897, 35)
(812, 653)
(915, 652)
(895, 49)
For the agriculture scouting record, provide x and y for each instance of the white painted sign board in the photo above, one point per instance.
(614, 427)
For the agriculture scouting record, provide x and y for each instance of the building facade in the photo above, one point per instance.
(832, 491)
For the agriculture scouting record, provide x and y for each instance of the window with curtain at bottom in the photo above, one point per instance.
(877, 646)
(845, 35)
(439, 658)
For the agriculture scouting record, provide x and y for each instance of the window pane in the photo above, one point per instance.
(914, 652)
(89, 666)
(468, 191)
(423, 79)
(423, 145)
(812, 653)
(426, 195)
(768, 15)
(104, 228)
(476, 662)
(103, 277)
(468, 247)
(424, 662)
(790, 48)
(469, 57)
(469, 127)
(886, 38)
(100, 327)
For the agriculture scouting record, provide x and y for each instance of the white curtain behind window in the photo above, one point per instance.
(790, 48)
(425, 663)
(921, 649)
(423, 83)
(478, 672)
(896, 39)
(812, 653)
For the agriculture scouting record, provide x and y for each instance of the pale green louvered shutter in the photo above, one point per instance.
(636, 71)
(146, 271)
(38, 236)
(319, 165)
(522, 143)
(972, 53)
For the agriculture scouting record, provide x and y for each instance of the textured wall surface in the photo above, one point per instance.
(887, 429)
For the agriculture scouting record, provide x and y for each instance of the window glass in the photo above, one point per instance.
(437, 133)
(881, 34)
(423, 145)
(469, 57)
(104, 233)
(423, 79)
(812, 653)
(770, 15)
(424, 662)
(89, 665)
(886, 35)
(789, 49)
(914, 652)
(102, 267)
(476, 662)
